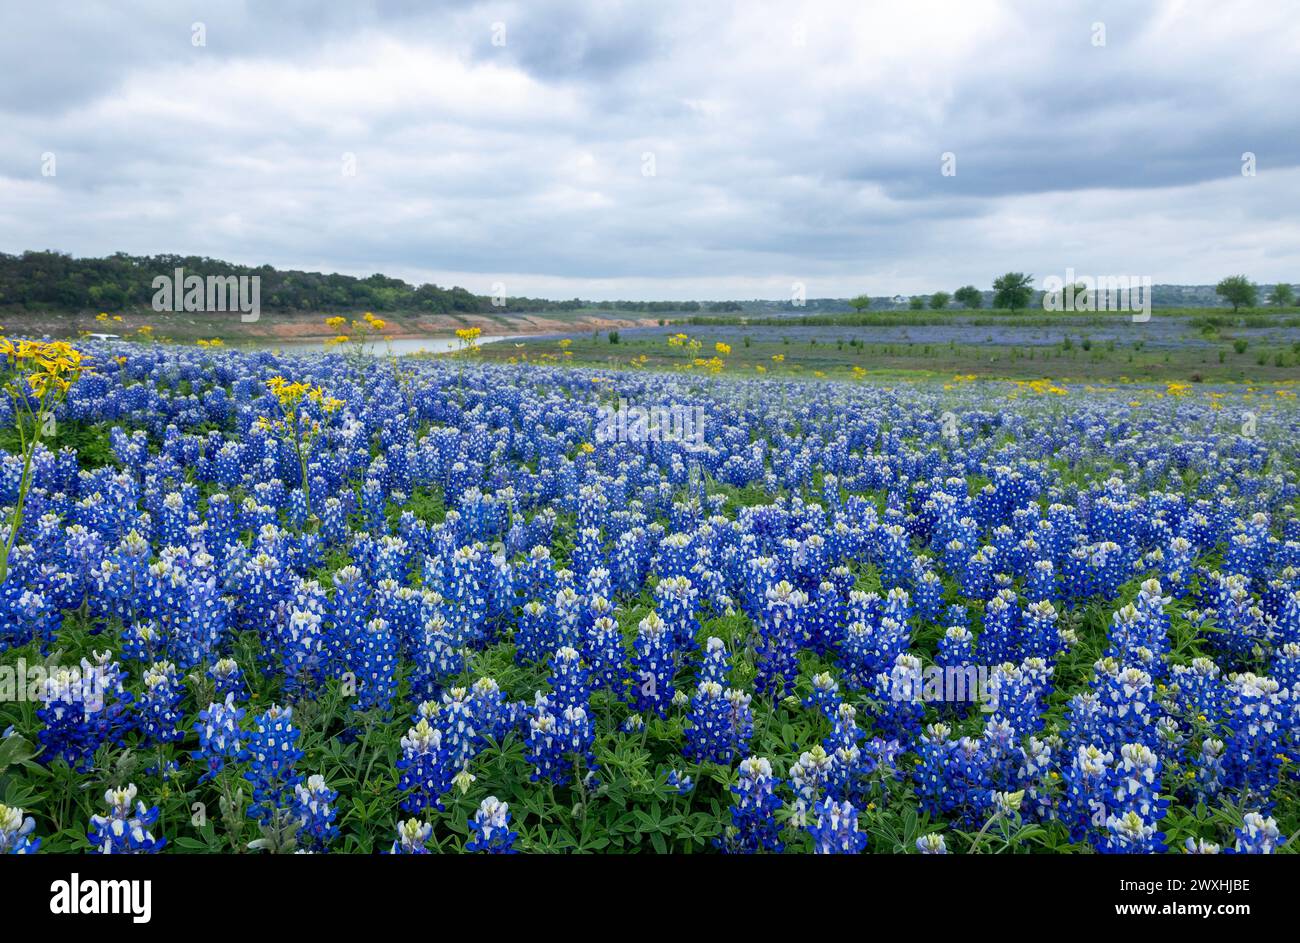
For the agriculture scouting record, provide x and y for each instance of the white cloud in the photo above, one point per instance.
(789, 142)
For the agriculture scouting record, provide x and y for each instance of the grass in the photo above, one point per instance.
(1095, 362)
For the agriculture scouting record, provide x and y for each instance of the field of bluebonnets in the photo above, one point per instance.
(328, 603)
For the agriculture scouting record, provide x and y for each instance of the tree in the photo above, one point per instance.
(939, 300)
(1012, 291)
(1238, 290)
(860, 303)
(969, 295)
(1283, 296)
(916, 302)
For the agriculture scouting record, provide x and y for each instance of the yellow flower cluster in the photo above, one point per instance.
(1040, 387)
(52, 365)
(291, 394)
(359, 329)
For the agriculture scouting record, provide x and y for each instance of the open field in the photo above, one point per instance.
(1086, 350)
(352, 604)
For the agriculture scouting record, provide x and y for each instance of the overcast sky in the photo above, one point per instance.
(660, 149)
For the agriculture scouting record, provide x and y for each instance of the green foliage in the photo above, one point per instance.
(1283, 295)
(1238, 290)
(1012, 290)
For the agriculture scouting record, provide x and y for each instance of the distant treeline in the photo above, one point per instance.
(57, 280)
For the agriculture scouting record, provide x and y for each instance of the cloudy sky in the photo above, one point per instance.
(661, 149)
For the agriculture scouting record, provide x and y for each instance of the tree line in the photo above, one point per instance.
(55, 280)
(1015, 290)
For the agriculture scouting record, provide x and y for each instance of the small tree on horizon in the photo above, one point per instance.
(1282, 296)
(939, 300)
(1238, 290)
(969, 295)
(860, 303)
(1012, 291)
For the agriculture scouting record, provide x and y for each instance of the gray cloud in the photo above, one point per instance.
(787, 143)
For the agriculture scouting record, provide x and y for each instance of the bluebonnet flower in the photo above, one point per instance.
(1128, 704)
(784, 611)
(1258, 727)
(653, 665)
(219, 733)
(930, 775)
(1041, 636)
(534, 635)
(932, 844)
(425, 772)
(228, 678)
(1210, 772)
(143, 642)
(440, 657)
(1198, 692)
(490, 712)
(834, 828)
(708, 732)
(81, 709)
(1040, 586)
(677, 601)
(315, 813)
(716, 663)
(377, 667)
(559, 738)
(490, 828)
(411, 837)
(16, 832)
(1258, 835)
(809, 777)
(1088, 789)
(825, 695)
(1018, 695)
(160, 711)
(972, 775)
(125, 830)
(604, 652)
(1137, 807)
(303, 652)
(570, 680)
(680, 782)
(272, 748)
(901, 696)
(458, 725)
(754, 827)
(568, 617)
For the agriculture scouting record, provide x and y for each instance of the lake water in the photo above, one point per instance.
(398, 345)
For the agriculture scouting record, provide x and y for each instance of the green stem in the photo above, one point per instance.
(24, 484)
